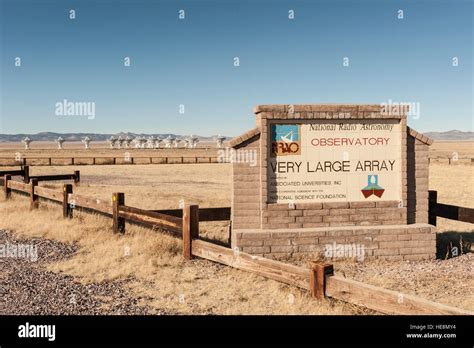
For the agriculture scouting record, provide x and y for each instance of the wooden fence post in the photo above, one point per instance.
(432, 207)
(317, 278)
(229, 231)
(190, 228)
(77, 177)
(67, 210)
(33, 197)
(26, 174)
(118, 199)
(7, 190)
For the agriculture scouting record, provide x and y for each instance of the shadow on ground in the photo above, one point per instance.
(451, 244)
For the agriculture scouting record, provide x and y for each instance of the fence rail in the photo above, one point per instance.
(49, 194)
(282, 272)
(85, 202)
(24, 172)
(386, 301)
(152, 219)
(319, 278)
(205, 214)
(74, 177)
(447, 211)
(450, 160)
(11, 172)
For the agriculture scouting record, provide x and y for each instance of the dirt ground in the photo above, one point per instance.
(155, 273)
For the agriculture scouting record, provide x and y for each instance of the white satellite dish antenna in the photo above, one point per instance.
(60, 142)
(127, 141)
(286, 138)
(86, 142)
(112, 141)
(220, 141)
(27, 142)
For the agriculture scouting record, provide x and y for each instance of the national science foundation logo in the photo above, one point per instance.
(286, 139)
(372, 187)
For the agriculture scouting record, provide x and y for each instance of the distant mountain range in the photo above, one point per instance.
(451, 135)
(51, 136)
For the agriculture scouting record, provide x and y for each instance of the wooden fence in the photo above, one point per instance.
(319, 278)
(24, 172)
(106, 160)
(15, 172)
(447, 211)
(450, 160)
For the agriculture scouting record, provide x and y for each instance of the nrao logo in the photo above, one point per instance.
(285, 139)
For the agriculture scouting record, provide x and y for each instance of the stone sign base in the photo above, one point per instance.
(394, 242)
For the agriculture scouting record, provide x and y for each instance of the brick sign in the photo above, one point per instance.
(332, 175)
(335, 161)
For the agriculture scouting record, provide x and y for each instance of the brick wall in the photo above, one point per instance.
(307, 215)
(246, 189)
(418, 180)
(402, 242)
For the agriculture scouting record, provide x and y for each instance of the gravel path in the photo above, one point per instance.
(27, 288)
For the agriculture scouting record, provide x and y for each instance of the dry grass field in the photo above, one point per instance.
(154, 265)
(445, 149)
(163, 280)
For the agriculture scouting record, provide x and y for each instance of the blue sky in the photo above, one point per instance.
(191, 61)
